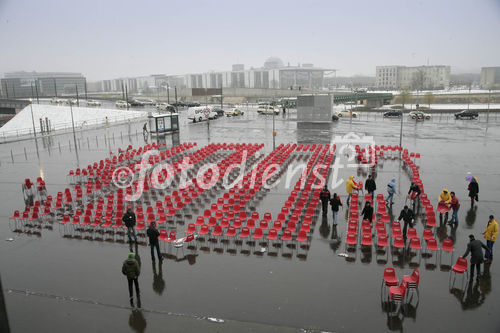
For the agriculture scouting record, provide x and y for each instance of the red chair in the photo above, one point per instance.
(415, 245)
(412, 233)
(277, 226)
(163, 235)
(245, 233)
(459, 268)
(428, 234)
(231, 232)
(397, 295)
(412, 281)
(366, 239)
(191, 228)
(200, 220)
(302, 237)
(447, 246)
(389, 279)
(250, 224)
(257, 234)
(217, 231)
(432, 245)
(351, 240)
(171, 238)
(273, 234)
(204, 230)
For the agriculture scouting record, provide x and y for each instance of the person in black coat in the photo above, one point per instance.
(129, 221)
(407, 216)
(153, 235)
(367, 212)
(370, 186)
(335, 203)
(414, 194)
(473, 191)
(475, 248)
(324, 196)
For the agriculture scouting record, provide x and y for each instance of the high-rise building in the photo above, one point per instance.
(490, 78)
(27, 84)
(418, 78)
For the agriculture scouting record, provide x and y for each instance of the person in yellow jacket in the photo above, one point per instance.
(490, 234)
(349, 187)
(444, 197)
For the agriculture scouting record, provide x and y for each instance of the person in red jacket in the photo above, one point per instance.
(455, 205)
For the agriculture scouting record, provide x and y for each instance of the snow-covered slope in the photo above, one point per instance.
(60, 118)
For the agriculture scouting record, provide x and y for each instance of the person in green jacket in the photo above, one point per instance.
(131, 269)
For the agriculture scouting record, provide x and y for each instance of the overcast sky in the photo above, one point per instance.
(108, 39)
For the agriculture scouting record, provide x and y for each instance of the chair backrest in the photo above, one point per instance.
(389, 272)
(462, 262)
(258, 232)
(416, 275)
(245, 232)
(172, 235)
(273, 232)
(447, 244)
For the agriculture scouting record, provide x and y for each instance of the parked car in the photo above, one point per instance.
(347, 113)
(219, 112)
(335, 117)
(234, 112)
(200, 113)
(165, 107)
(147, 102)
(71, 101)
(135, 102)
(56, 100)
(393, 114)
(178, 104)
(193, 104)
(467, 114)
(93, 102)
(267, 109)
(419, 115)
(122, 104)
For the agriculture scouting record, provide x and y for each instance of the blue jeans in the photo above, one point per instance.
(389, 198)
(335, 215)
(349, 199)
(131, 231)
(157, 246)
(454, 216)
(489, 253)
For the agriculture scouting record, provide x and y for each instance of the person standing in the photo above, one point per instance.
(129, 221)
(324, 196)
(475, 248)
(391, 190)
(414, 195)
(455, 205)
(473, 191)
(350, 186)
(153, 235)
(132, 270)
(446, 198)
(367, 212)
(370, 186)
(490, 234)
(335, 203)
(407, 216)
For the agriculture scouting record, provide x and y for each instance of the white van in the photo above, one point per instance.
(267, 109)
(200, 113)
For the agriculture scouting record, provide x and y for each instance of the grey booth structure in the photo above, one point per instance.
(163, 123)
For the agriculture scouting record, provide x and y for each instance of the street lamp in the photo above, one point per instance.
(32, 117)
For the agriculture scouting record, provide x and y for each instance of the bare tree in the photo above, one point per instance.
(418, 80)
(429, 98)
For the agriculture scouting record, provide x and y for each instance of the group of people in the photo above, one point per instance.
(407, 215)
(131, 267)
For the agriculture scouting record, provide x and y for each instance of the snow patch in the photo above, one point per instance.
(60, 118)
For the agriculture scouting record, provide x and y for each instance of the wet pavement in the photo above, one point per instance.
(76, 284)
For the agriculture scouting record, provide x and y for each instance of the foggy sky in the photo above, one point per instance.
(108, 38)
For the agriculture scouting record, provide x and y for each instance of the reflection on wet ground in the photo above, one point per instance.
(248, 285)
